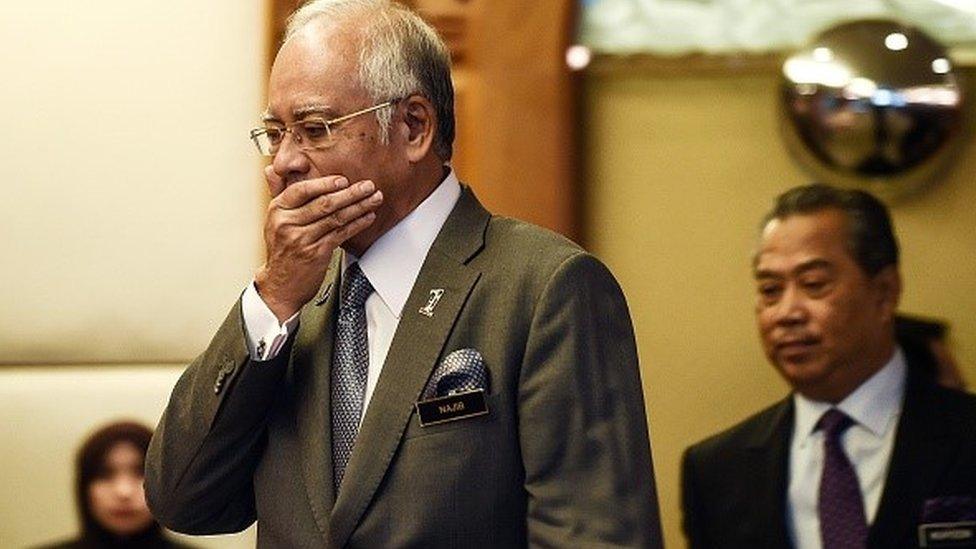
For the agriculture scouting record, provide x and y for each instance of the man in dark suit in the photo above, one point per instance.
(867, 451)
(447, 378)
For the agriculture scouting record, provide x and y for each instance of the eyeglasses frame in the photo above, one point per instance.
(256, 133)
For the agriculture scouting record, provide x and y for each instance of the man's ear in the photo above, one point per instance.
(420, 123)
(887, 284)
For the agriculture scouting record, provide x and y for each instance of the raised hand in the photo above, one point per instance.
(305, 223)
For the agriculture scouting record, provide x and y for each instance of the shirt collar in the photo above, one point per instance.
(874, 405)
(393, 262)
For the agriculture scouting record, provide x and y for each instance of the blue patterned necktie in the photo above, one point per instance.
(350, 360)
(840, 507)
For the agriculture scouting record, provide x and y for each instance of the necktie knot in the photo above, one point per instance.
(355, 288)
(834, 423)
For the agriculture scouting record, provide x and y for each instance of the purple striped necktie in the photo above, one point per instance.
(840, 507)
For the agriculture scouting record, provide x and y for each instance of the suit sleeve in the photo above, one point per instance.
(201, 460)
(582, 424)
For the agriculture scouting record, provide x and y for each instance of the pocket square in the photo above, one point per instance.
(462, 370)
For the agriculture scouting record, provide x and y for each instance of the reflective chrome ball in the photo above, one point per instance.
(874, 104)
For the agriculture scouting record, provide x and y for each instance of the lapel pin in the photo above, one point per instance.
(324, 296)
(435, 297)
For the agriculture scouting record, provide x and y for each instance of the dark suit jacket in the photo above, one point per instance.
(734, 483)
(561, 460)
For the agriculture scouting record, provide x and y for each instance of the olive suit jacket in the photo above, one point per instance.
(734, 483)
(562, 459)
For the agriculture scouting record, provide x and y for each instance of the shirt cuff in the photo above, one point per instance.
(265, 336)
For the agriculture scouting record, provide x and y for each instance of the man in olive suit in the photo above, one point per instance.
(406, 370)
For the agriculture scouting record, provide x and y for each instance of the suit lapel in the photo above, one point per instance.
(416, 346)
(923, 447)
(312, 366)
(770, 450)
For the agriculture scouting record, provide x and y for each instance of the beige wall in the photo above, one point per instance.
(130, 221)
(679, 171)
(132, 197)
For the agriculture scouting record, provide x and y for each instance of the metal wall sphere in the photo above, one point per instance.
(874, 104)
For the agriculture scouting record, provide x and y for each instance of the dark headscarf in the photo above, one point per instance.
(90, 465)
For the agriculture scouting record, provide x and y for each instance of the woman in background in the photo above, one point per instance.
(108, 488)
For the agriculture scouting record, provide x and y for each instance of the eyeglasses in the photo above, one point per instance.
(309, 133)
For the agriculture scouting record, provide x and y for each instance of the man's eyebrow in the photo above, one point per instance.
(813, 264)
(765, 274)
(302, 112)
(804, 267)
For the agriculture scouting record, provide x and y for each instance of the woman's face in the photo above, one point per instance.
(116, 496)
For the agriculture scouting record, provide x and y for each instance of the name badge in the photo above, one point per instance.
(947, 534)
(452, 407)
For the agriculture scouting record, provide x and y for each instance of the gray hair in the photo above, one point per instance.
(401, 55)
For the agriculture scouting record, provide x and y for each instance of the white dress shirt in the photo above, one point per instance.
(391, 264)
(875, 407)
